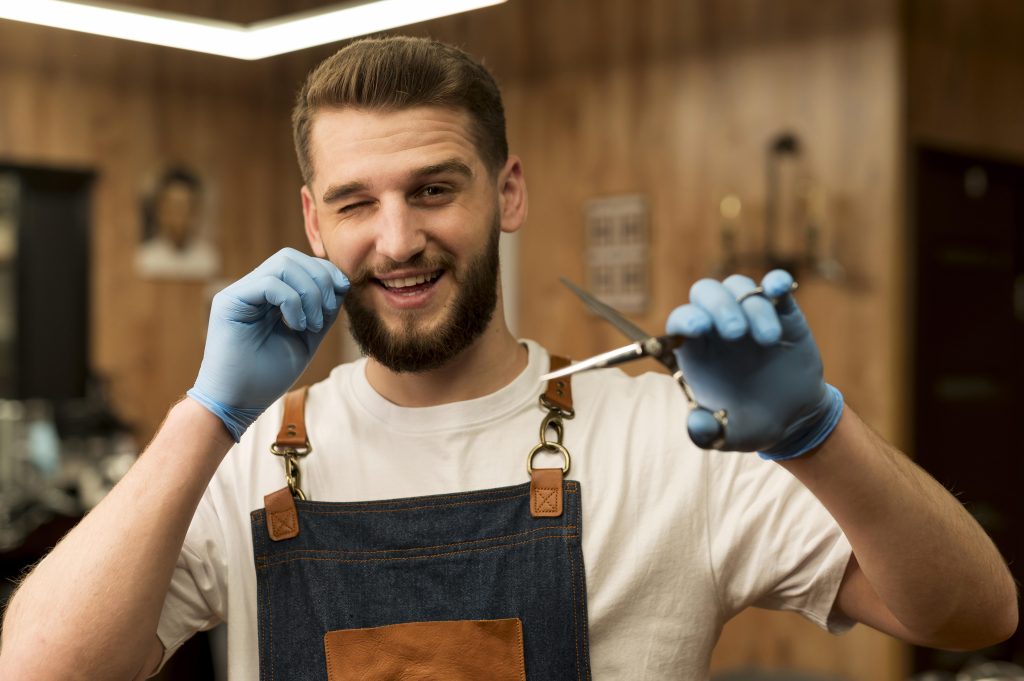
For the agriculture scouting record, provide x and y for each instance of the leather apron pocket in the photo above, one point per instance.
(460, 650)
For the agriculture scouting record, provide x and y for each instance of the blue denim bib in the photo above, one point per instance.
(476, 555)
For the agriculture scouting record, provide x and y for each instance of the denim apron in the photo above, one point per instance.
(486, 584)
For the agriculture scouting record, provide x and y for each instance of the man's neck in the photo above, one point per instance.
(489, 364)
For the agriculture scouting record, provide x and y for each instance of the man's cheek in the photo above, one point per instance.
(340, 256)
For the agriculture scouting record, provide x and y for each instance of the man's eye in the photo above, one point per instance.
(348, 208)
(432, 191)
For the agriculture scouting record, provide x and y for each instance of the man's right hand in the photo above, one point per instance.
(264, 330)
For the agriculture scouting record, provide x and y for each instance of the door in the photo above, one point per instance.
(968, 427)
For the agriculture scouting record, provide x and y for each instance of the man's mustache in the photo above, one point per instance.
(366, 274)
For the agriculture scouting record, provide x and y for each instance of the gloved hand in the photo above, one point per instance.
(759, 363)
(264, 329)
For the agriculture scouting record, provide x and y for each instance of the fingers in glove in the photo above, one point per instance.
(338, 281)
(704, 428)
(279, 294)
(309, 280)
(314, 283)
(328, 279)
(761, 315)
(778, 285)
(688, 320)
(720, 304)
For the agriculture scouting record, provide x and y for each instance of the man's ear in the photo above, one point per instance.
(512, 199)
(312, 223)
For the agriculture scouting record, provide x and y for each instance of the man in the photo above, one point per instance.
(426, 548)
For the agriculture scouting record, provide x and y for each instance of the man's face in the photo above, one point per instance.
(403, 204)
(175, 212)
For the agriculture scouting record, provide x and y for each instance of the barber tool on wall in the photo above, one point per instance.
(793, 232)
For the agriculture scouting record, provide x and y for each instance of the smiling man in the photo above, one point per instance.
(409, 208)
(415, 543)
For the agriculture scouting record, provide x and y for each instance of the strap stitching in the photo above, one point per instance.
(544, 499)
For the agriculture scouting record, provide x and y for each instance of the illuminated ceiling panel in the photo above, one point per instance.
(242, 41)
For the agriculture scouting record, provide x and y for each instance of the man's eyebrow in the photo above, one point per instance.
(452, 165)
(340, 191)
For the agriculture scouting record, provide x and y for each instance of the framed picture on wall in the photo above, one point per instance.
(175, 242)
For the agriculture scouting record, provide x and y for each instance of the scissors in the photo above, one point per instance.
(661, 348)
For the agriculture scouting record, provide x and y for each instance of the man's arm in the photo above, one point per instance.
(90, 609)
(924, 570)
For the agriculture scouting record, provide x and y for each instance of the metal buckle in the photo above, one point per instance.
(554, 408)
(553, 420)
(553, 446)
(292, 473)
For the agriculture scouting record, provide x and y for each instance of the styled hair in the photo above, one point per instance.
(395, 73)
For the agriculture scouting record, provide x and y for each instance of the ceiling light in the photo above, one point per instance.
(241, 41)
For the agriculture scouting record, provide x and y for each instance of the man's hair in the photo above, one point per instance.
(395, 73)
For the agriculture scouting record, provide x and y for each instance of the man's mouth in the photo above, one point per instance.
(411, 285)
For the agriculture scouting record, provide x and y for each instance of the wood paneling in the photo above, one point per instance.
(127, 111)
(965, 75)
(675, 99)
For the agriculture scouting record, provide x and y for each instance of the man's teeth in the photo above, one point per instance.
(410, 281)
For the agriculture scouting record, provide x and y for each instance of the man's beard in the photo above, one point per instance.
(409, 349)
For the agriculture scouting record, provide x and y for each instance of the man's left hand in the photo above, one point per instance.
(759, 363)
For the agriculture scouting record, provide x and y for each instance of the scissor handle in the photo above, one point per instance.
(707, 428)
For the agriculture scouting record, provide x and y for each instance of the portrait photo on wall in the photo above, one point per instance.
(175, 240)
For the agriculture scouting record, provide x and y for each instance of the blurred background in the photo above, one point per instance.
(875, 147)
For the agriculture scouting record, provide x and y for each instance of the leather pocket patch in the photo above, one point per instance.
(461, 650)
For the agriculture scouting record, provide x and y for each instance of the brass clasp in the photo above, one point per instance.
(552, 421)
(292, 474)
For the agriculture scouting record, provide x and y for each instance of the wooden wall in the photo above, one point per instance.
(126, 111)
(965, 84)
(675, 99)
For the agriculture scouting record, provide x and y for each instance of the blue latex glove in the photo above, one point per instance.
(759, 363)
(264, 329)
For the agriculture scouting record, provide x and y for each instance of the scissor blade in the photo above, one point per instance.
(610, 314)
(605, 359)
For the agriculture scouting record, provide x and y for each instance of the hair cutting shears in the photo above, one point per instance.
(661, 348)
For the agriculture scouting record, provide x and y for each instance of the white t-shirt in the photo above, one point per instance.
(675, 540)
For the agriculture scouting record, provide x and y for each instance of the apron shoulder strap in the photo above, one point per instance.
(291, 443)
(558, 396)
(293, 423)
(546, 488)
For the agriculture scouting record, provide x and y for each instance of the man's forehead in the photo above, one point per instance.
(354, 141)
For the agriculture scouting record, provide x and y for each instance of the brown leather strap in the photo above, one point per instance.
(546, 492)
(292, 442)
(559, 392)
(293, 424)
(282, 518)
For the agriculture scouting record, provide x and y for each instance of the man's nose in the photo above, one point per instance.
(399, 234)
